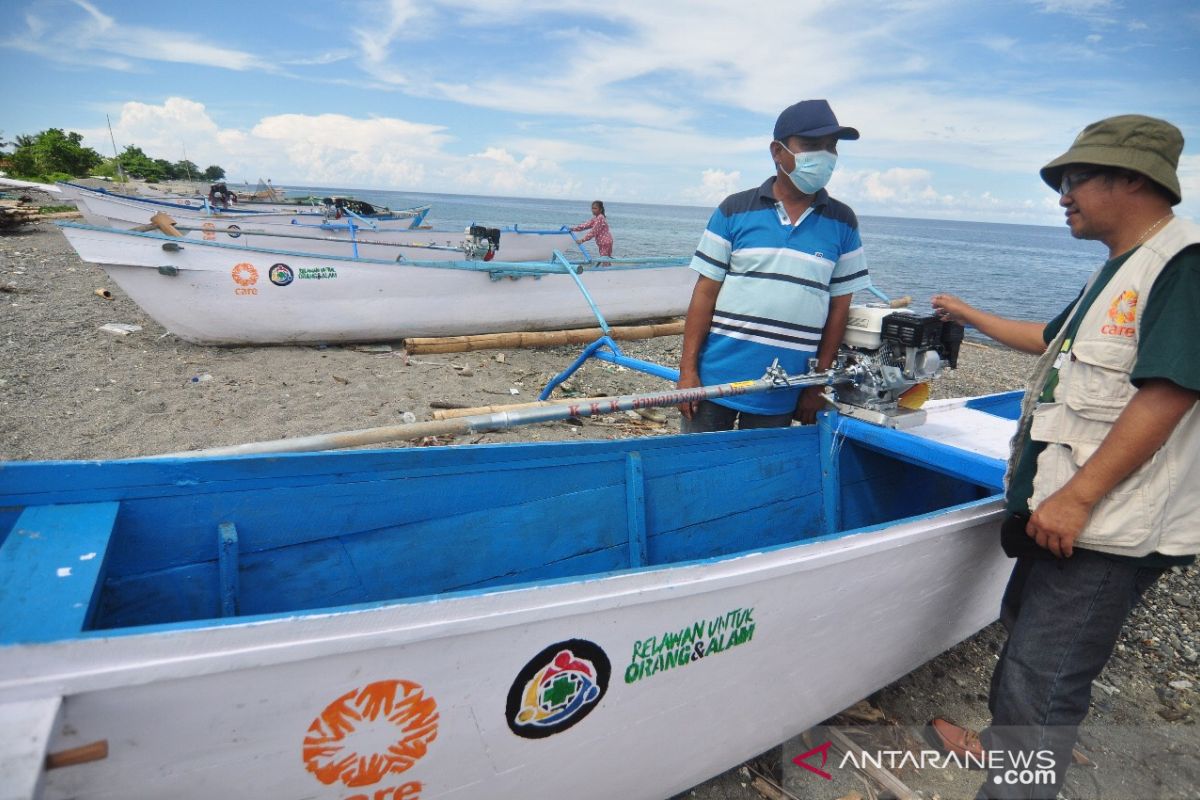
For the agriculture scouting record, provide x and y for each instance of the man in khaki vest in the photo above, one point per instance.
(1102, 483)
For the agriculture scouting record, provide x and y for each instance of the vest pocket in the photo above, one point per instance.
(1122, 518)
(1095, 381)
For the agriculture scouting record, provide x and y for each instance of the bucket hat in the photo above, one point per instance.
(811, 118)
(1145, 145)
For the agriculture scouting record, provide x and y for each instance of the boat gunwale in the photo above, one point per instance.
(151, 653)
(533, 268)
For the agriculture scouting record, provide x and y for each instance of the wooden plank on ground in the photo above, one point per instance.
(491, 341)
(878, 774)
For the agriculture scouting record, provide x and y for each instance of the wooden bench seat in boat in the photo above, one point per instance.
(51, 569)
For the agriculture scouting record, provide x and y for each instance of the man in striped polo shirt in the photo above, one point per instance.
(778, 266)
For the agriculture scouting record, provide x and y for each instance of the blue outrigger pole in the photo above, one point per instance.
(605, 348)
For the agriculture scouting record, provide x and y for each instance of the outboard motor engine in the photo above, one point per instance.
(481, 242)
(899, 352)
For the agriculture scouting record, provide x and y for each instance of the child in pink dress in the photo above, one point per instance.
(599, 230)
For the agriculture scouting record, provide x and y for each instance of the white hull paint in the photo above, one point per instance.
(393, 239)
(128, 212)
(230, 295)
(225, 711)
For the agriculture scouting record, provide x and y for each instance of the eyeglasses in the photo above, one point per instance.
(1074, 180)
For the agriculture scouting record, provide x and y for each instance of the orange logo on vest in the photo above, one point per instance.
(1122, 312)
(367, 734)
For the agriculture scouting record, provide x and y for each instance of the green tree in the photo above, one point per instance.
(214, 173)
(140, 165)
(186, 170)
(52, 151)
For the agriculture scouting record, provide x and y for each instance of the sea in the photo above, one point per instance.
(1020, 271)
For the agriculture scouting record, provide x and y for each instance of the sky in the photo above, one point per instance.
(652, 101)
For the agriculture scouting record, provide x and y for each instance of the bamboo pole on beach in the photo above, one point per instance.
(508, 418)
(492, 341)
(454, 413)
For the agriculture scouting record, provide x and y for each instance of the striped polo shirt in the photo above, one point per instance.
(777, 279)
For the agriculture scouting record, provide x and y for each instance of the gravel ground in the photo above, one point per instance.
(70, 391)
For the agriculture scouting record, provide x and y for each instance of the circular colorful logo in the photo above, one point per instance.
(557, 688)
(1124, 307)
(369, 733)
(245, 274)
(281, 274)
(234, 231)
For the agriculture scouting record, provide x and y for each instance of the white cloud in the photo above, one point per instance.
(497, 171)
(1000, 44)
(715, 185)
(1189, 184)
(332, 150)
(903, 192)
(54, 31)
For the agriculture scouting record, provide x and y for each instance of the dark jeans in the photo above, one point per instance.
(711, 416)
(1063, 618)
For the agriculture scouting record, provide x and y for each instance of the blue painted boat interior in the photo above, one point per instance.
(1006, 405)
(192, 540)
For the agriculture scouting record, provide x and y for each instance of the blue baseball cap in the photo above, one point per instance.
(811, 119)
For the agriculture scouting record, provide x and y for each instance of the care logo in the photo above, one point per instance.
(367, 734)
(557, 688)
(245, 276)
(1124, 307)
(1122, 312)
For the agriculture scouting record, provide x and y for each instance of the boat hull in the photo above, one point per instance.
(390, 240)
(788, 608)
(227, 295)
(100, 205)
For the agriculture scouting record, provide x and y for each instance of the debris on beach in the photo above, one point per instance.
(120, 328)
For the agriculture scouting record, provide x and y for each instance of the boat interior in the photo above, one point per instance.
(111, 546)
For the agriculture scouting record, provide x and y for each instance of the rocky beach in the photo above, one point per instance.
(71, 390)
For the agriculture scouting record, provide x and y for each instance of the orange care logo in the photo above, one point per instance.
(245, 276)
(1122, 312)
(367, 734)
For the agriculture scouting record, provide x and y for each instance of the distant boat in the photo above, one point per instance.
(98, 205)
(586, 620)
(516, 243)
(212, 292)
(13, 183)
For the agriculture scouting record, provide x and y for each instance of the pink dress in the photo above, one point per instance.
(599, 232)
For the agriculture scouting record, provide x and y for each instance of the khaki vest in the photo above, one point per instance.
(1156, 507)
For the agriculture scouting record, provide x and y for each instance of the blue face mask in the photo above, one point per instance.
(813, 170)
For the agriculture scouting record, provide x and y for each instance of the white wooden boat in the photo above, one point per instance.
(217, 293)
(99, 206)
(584, 620)
(516, 243)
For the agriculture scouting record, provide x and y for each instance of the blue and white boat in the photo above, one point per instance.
(304, 291)
(98, 204)
(583, 619)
